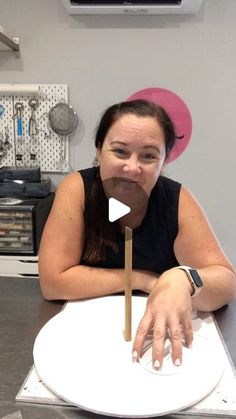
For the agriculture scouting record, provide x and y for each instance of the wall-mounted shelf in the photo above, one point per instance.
(7, 44)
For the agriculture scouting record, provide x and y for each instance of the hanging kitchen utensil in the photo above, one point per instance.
(7, 143)
(34, 149)
(2, 109)
(63, 120)
(19, 107)
(33, 131)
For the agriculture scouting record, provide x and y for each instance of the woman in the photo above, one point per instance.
(81, 253)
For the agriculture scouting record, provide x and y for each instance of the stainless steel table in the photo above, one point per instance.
(23, 312)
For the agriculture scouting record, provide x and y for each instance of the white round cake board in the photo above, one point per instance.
(81, 355)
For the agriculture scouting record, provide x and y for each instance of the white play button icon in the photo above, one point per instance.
(117, 209)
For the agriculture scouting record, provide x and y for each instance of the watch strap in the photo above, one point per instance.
(188, 270)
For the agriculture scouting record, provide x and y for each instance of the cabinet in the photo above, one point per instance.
(19, 266)
(24, 221)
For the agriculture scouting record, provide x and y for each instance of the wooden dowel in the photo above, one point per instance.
(128, 288)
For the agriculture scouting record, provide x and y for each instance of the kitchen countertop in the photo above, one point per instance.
(23, 312)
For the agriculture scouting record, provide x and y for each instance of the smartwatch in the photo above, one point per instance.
(194, 279)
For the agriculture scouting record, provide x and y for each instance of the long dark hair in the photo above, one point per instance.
(99, 232)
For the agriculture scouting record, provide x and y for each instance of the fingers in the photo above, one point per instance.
(188, 332)
(176, 331)
(175, 336)
(159, 337)
(142, 331)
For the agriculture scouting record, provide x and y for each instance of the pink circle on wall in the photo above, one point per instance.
(178, 112)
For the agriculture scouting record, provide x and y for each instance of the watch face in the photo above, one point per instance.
(196, 277)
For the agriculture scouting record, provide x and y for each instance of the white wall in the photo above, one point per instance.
(104, 59)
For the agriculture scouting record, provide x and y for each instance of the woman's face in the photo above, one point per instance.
(132, 155)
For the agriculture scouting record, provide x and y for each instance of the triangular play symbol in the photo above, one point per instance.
(116, 209)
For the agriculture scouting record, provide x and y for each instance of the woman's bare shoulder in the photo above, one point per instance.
(72, 181)
(72, 187)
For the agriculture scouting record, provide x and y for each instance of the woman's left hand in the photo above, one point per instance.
(168, 314)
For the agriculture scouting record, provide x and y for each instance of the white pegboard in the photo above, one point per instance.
(47, 143)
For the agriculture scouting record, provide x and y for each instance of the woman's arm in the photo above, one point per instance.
(169, 304)
(61, 276)
(60, 272)
(197, 246)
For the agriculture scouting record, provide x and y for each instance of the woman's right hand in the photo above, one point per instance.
(168, 314)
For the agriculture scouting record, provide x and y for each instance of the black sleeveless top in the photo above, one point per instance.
(153, 240)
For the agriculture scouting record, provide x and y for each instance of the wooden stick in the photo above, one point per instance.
(128, 288)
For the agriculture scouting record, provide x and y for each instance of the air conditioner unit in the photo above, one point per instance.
(134, 7)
